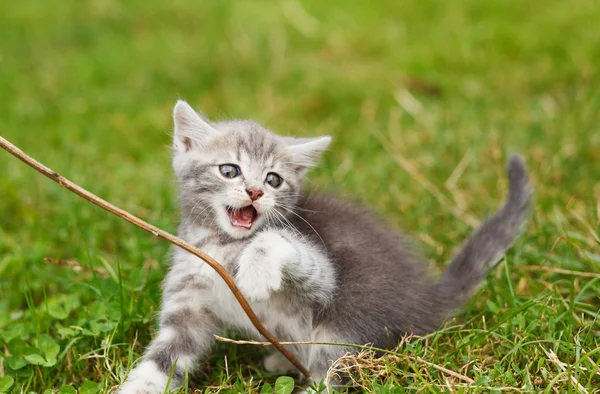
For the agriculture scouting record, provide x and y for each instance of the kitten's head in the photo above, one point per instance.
(237, 176)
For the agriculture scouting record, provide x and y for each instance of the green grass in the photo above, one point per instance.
(425, 99)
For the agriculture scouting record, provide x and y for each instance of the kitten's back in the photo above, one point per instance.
(383, 290)
(381, 281)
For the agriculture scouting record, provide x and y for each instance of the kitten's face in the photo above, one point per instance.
(237, 176)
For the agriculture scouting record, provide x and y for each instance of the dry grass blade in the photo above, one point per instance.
(426, 184)
(557, 271)
(75, 266)
(446, 371)
(368, 360)
(350, 362)
(553, 358)
(67, 184)
(597, 193)
(587, 226)
(455, 176)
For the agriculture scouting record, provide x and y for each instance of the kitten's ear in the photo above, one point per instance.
(306, 151)
(190, 128)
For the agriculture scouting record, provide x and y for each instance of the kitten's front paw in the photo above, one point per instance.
(146, 379)
(259, 270)
(139, 387)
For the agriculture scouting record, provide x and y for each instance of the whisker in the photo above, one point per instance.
(288, 224)
(192, 210)
(310, 225)
(200, 213)
(298, 208)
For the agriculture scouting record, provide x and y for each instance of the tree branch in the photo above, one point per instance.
(67, 184)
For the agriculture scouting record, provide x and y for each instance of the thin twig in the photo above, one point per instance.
(67, 184)
(262, 343)
(364, 347)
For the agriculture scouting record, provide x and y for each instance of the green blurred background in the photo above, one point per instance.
(425, 100)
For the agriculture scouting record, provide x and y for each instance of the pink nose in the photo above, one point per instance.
(254, 194)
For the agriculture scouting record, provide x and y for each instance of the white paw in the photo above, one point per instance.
(260, 264)
(258, 275)
(139, 387)
(145, 379)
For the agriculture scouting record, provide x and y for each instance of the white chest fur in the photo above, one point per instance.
(280, 313)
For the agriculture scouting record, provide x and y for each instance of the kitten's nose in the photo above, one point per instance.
(254, 194)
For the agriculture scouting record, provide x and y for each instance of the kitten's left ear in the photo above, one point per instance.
(306, 151)
(190, 128)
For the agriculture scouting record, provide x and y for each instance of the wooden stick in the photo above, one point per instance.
(67, 184)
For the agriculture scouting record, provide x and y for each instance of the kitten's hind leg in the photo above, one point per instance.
(276, 362)
(318, 383)
(185, 334)
(323, 356)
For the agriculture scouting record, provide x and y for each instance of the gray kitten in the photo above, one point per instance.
(314, 268)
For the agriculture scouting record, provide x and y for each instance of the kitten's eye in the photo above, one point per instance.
(229, 170)
(274, 180)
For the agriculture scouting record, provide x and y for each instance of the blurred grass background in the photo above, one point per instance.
(425, 100)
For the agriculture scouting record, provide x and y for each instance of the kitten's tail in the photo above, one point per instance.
(487, 244)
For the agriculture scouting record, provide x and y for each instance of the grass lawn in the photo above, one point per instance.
(425, 100)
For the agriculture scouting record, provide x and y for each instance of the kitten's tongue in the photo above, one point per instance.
(243, 217)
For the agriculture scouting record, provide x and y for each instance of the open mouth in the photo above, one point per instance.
(242, 218)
